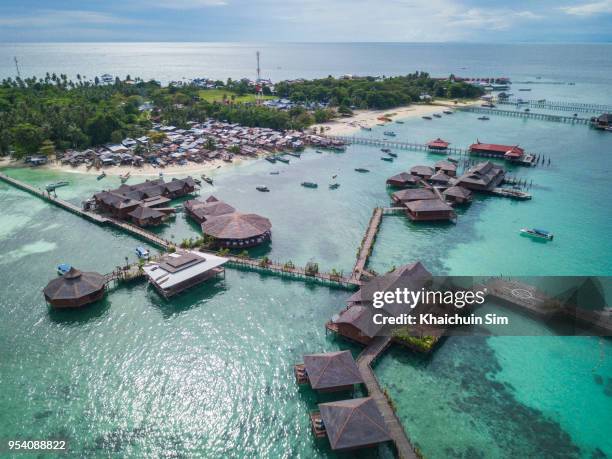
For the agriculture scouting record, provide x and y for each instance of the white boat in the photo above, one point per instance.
(537, 233)
(142, 253)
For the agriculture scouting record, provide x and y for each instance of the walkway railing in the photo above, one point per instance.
(523, 114)
(558, 105)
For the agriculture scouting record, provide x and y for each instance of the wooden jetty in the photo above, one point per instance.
(365, 360)
(366, 245)
(557, 105)
(522, 114)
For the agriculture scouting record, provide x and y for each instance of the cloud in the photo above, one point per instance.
(490, 19)
(589, 9)
(49, 18)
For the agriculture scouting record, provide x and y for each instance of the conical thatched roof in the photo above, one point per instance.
(353, 423)
(236, 226)
(74, 285)
(332, 369)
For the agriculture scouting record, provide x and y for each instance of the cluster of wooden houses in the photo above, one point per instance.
(144, 204)
(228, 228)
(202, 142)
(429, 193)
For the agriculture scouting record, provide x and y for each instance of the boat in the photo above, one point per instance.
(294, 153)
(379, 124)
(309, 185)
(524, 89)
(283, 160)
(318, 151)
(101, 176)
(334, 186)
(53, 186)
(387, 158)
(270, 159)
(389, 133)
(124, 178)
(399, 122)
(362, 170)
(142, 253)
(207, 179)
(437, 115)
(63, 268)
(426, 117)
(274, 173)
(527, 110)
(393, 155)
(197, 181)
(366, 128)
(448, 112)
(483, 118)
(385, 150)
(262, 188)
(537, 233)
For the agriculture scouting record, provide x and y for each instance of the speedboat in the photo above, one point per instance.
(333, 186)
(63, 268)
(447, 112)
(366, 128)
(362, 170)
(101, 176)
(385, 150)
(309, 185)
(483, 118)
(426, 117)
(399, 122)
(283, 160)
(274, 173)
(387, 158)
(318, 151)
(262, 188)
(207, 179)
(142, 253)
(270, 159)
(389, 133)
(294, 154)
(537, 233)
(393, 155)
(124, 178)
(437, 115)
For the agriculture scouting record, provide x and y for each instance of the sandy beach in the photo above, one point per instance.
(369, 118)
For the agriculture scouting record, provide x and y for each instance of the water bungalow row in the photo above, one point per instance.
(144, 204)
(524, 114)
(202, 142)
(430, 193)
(556, 105)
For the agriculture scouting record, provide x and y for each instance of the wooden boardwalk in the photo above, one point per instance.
(558, 105)
(366, 245)
(523, 114)
(365, 360)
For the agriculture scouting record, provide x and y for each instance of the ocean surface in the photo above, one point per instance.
(210, 373)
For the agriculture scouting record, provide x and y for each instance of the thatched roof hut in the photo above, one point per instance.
(238, 230)
(404, 196)
(422, 171)
(146, 216)
(457, 194)
(428, 210)
(439, 178)
(75, 289)
(447, 167)
(352, 424)
(403, 179)
(332, 371)
(211, 207)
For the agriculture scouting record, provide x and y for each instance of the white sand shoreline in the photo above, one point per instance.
(369, 118)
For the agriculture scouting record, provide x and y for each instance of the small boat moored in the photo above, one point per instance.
(483, 118)
(282, 160)
(274, 173)
(437, 115)
(309, 185)
(385, 150)
(262, 188)
(142, 253)
(387, 158)
(334, 186)
(101, 176)
(362, 170)
(537, 233)
(389, 133)
(63, 268)
(426, 117)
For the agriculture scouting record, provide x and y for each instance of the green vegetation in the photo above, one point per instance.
(370, 92)
(264, 261)
(311, 268)
(422, 343)
(225, 96)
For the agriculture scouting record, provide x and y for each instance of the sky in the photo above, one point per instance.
(541, 21)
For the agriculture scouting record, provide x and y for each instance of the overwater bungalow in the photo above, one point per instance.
(422, 171)
(356, 321)
(329, 372)
(447, 167)
(438, 144)
(147, 216)
(403, 180)
(439, 178)
(483, 176)
(510, 152)
(75, 289)
(429, 210)
(175, 272)
(200, 210)
(457, 195)
(404, 196)
(350, 424)
(238, 230)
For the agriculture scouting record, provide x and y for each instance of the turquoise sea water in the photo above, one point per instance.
(209, 373)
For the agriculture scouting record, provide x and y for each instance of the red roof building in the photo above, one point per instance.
(438, 144)
(493, 149)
